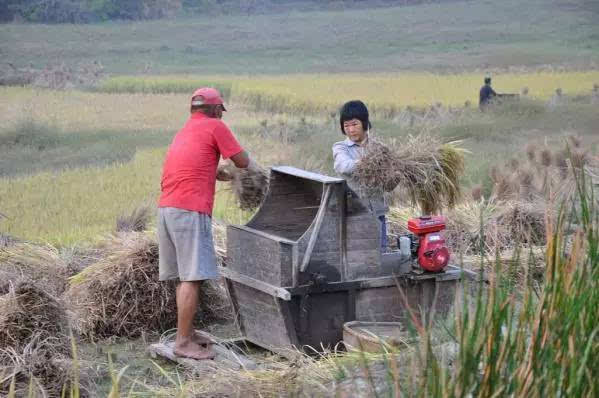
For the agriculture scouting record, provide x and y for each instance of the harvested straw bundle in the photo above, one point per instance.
(249, 186)
(27, 310)
(505, 225)
(38, 371)
(120, 294)
(33, 340)
(137, 220)
(424, 168)
(43, 265)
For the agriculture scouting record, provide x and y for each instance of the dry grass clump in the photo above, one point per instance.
(137, 220)
(506, 225)
(249, 186)
(275, 377)
(545, 173)
(33, 343)
(42, 264)
(425, 169)
(120, 294)
(28, 310)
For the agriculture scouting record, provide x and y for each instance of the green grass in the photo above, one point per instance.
(445, 36)
(545, 343)
(31, 147)
(183, 84)
(67, 186)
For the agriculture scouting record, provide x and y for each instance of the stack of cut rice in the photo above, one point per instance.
(249, 185)
(426, 170)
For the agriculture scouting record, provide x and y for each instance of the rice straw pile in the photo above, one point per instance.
(543, 173)
(137, 220)
(33, 341)
(249, 186)
(42, 264)
(120, 294)
(506, 225)
(427, 170)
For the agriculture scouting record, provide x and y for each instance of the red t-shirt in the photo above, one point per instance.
(189, 172)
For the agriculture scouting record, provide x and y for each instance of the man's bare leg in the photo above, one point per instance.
(187, 303)
(197, 337)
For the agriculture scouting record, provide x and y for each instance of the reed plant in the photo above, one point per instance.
(537, 342)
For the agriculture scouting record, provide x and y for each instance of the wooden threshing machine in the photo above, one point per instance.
(310, 260)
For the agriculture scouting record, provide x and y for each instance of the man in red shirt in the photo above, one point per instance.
(186, 249)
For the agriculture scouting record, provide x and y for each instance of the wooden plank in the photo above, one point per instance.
(307, 175)
(362, 244)
(234, 304)
(378, 282)
(263, 234)
(450, 273)
(294, 265)
(319, 217)
(289, 353)
(256, 284)
(224, 358)
(364, 258)
(288, 318)
(341, 200)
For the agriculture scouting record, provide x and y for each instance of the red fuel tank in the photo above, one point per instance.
(426, 224)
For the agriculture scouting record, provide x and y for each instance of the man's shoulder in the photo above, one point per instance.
(209, 125)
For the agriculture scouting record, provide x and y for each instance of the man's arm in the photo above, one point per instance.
(241, 160)
(343, 163)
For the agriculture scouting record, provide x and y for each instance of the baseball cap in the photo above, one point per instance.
(207, 96)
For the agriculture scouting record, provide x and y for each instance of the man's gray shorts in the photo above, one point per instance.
(185, 245)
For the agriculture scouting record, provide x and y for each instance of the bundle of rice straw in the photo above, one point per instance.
(427, 170)
(249, 186)
(120, 294)
(137, 220)
(42, 264)
(33, 341)
(505, 225)
(27, 310)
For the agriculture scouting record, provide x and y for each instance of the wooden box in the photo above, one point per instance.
(310, 260)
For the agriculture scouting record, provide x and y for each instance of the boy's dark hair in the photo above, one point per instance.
(354, 110)
(487, 80)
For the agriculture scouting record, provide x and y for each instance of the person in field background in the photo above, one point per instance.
(355, 125)
(486, 94)
(186, 248)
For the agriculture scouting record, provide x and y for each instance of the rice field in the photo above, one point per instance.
(81, 205)
(78, 202)
(384, 93)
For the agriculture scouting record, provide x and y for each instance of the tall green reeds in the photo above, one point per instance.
(533, 343)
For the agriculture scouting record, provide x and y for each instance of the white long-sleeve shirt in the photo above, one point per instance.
(346, 154)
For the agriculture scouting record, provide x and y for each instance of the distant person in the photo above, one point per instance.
(486, 94)
(556, 100)
(355, 126)
(185, 245)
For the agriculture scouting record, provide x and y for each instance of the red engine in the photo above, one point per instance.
(433, 255)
